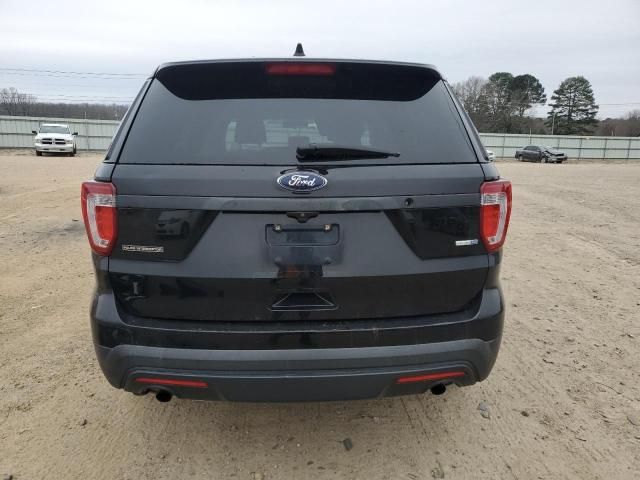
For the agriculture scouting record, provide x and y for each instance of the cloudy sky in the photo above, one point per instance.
(127, 39)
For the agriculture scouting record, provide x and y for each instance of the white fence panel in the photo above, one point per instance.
(15, 132)
(577, 148)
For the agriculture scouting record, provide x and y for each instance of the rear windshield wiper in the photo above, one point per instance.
(338, 152)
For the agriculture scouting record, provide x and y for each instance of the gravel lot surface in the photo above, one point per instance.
(562, 402)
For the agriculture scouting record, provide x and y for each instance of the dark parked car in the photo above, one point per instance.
(540, 153)
(344, 234)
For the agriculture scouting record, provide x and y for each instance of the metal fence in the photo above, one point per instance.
(15, 132)
(577, 148)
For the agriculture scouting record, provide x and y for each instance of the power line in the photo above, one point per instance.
(69, 100)
(80, 97)
(47, 75)
(93, 77)
(89, 99)
(79, 100)
(48, 95)
(540, 105)
(73, 73)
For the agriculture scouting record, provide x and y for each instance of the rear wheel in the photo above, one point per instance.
(39, 154)
(521, 158)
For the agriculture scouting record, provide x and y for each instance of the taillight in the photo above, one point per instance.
(99, 213)
(291, 68)
(495, 211)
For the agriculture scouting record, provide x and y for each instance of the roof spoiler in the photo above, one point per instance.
(434, 71)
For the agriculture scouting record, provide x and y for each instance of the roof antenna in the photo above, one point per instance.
(299, 51)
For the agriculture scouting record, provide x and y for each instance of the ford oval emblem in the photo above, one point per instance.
(302, 181)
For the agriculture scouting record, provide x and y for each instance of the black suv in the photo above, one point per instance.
(296, 229)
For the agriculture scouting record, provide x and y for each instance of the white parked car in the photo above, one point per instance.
(490, 155)
(54, 138)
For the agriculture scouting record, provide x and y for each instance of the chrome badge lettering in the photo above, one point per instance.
(466, 243)
(302, 181)
(142, 248)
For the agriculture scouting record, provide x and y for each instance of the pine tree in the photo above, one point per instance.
(573, 108)
(526, 91)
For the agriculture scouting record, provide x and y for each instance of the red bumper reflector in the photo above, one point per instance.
(175, 383)
(289, 68)
(429, 376)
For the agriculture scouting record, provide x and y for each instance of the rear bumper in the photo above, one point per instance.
(296, 375)
(290, 361)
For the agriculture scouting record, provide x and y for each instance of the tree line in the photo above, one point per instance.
(500, 104)
(13, 102)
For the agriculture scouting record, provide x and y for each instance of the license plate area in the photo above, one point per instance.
(296, 245)
(302, 235)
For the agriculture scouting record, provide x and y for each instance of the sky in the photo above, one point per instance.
(128, 39)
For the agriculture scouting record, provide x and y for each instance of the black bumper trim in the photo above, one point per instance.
(297, 375)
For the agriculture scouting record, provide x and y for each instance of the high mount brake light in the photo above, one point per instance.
(100, 216)
(292, 68)
(495, 212)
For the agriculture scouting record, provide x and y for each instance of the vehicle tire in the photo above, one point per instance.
(38, 154)
(71, 154)
(521, 158)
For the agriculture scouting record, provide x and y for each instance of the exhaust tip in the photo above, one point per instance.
(163, 396)
(438, 389)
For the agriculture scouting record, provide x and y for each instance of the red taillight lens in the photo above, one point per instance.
(321, 69)
(100, 217)
(429, 377)
(495, 212)
(172, 382)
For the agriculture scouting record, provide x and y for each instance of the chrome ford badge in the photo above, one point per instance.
(302, 181)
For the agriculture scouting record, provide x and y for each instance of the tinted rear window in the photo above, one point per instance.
(243, 113)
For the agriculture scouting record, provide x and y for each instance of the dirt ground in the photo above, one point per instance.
(562, 402)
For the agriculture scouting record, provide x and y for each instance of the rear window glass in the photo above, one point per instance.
(243, 113)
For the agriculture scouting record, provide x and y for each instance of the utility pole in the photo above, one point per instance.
(86, 129)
